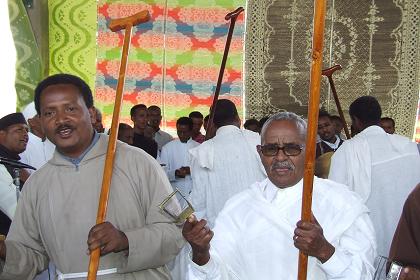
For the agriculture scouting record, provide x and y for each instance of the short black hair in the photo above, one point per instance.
(336, 118)
(263, 120)
(389, 119)
(225, 113)
(324, 113)
(185, 121)
(68, 79)
(134, 109)
(154, 108)
(251, 122)
(196, 114)
(123, 126)
(366, 109)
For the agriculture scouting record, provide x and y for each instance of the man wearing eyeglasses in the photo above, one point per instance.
(258, 234)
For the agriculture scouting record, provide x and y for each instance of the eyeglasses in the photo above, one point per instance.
(271, 150)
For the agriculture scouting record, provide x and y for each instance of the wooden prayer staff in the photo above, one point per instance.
(328, 73)
(115, 25)
(313, 110)
(233, 16)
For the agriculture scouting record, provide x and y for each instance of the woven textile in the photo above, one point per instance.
(28, 64)
(72, 38)
(376, 42)
(174, 59)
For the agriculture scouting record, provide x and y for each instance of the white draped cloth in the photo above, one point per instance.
(222, 167)
(253, 236)
(8, 197)
(162, 138)
(383, 169)
(175, 155)
(37, 152)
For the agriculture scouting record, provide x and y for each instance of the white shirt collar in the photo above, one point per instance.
(271, 191)
(333, 145)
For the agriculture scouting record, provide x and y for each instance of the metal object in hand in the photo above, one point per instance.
(171, 206)
(394, 271)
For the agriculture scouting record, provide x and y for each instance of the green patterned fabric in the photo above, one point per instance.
(28, 64)
(72, 38)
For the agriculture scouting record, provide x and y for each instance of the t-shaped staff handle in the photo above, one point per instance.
(122, 23)
(126, 23)
(328, 73)
(234, 14)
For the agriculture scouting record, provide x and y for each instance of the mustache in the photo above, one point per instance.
(282, 164)
(63, 126)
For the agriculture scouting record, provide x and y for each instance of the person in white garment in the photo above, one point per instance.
(258, 234)
(224, 165)
(39, 149)
(176, 158)
(13, 141)
(382, 168)
(154, 118)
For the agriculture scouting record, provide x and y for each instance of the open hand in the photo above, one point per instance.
(186, 170)
(198, 234)
(180, 173)
(108, 238)
(309, 238)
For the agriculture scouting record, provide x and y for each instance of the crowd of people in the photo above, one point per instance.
(245, 185)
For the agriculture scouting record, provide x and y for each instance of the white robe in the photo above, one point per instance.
(175, 155)
(383, 169)
(8, 197)
(37, 152)
(222, 167)
(162, 138)
(253, 236)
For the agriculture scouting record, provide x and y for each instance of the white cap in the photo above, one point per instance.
(29, 111)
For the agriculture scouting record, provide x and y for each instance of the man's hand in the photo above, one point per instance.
(106, 237)
(180, 173)
(186, 170)
(409, 273)
(199, 236)
(309, 238)
(2, 250)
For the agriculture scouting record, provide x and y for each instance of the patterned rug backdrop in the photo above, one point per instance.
(174, 59)
(376, 42)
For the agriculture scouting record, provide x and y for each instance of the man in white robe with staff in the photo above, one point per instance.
(258, 234)
(382, 168)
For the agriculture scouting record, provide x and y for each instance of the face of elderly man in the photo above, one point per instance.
(284, 166)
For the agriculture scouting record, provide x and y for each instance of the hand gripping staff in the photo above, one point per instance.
(233, 16)
(313, 110)
(328, 73)
(126, 23)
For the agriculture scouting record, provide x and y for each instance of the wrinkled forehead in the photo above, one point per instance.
(283, 131)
